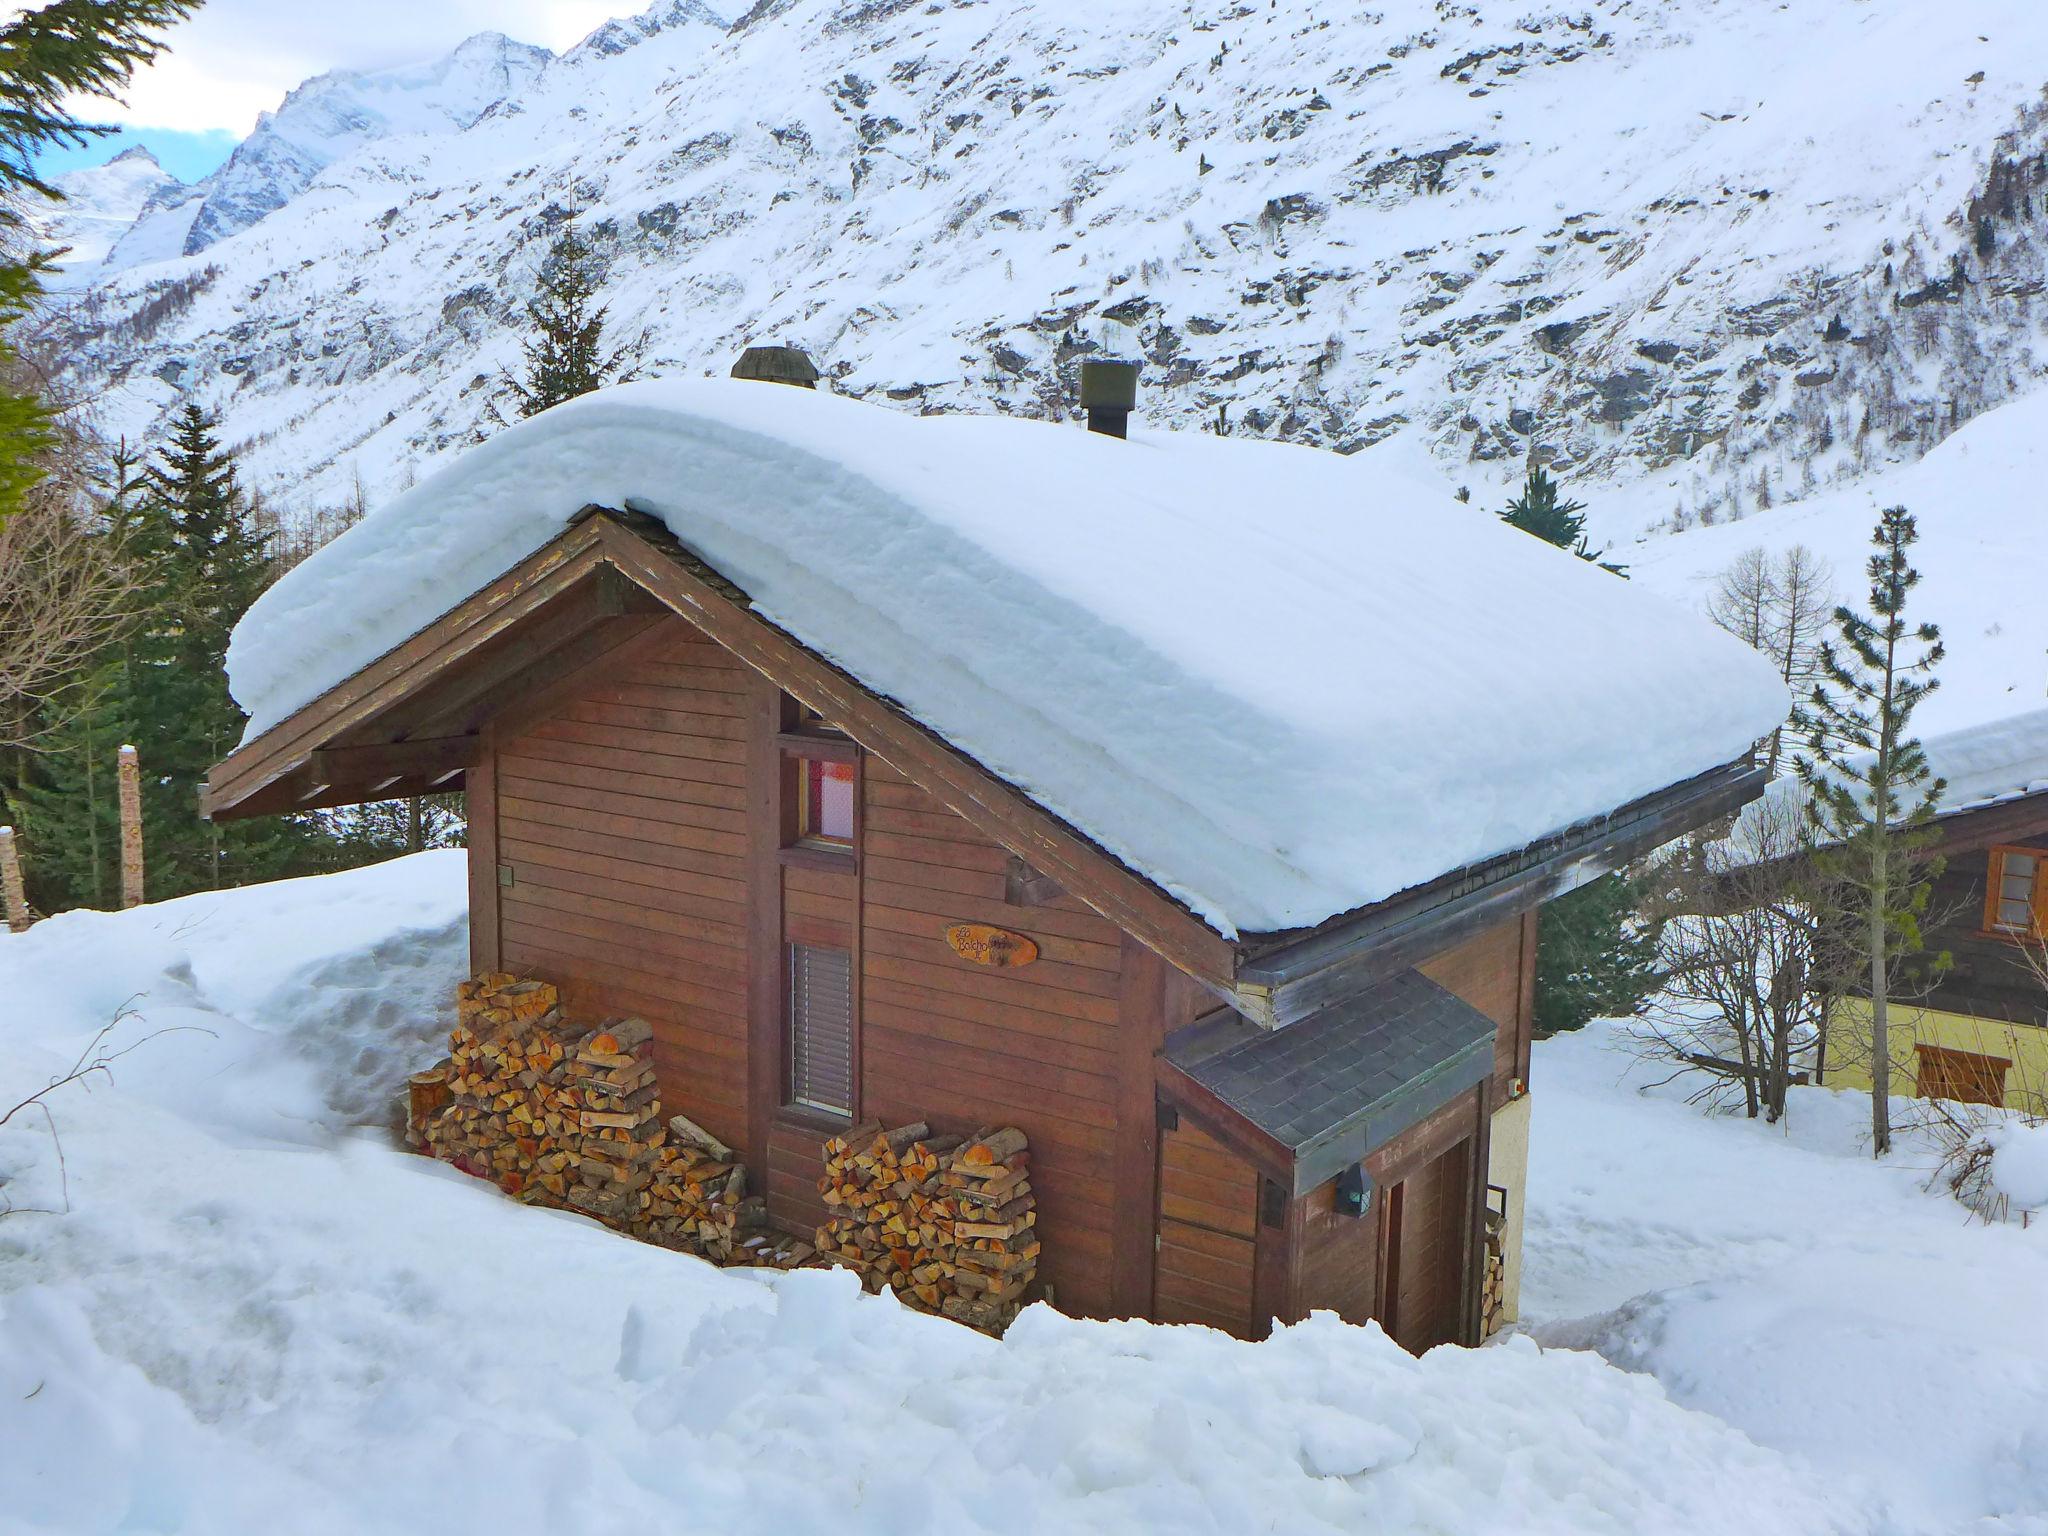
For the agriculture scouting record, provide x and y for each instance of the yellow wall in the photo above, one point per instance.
(1507, 1164)
(1848, 1064)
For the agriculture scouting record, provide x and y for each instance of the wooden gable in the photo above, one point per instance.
(406, 723)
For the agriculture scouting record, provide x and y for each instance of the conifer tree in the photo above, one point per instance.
(50, 56)
(201, 567)
(1870, 790)
(1542, 511)
(1593, 959)
(566, 355)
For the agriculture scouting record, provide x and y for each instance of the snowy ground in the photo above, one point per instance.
(1830, 1307)
(256, 1316)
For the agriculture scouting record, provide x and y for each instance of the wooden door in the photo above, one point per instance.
(1425, 1241)
(1208, 1226)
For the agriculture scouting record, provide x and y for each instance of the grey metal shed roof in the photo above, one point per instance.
(1349, 1078)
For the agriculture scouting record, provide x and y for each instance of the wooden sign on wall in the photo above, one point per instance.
(990, 946)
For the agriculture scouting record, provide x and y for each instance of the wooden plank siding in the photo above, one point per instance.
(1208, 1224)
(1989, 977)
(620, 815)
(1495, 972)
(963, 1045)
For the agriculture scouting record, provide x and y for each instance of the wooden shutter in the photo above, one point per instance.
(1962, 1076)
(821, 1028)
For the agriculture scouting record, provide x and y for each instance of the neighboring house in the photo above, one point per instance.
(1979, 1031)
(757, 694)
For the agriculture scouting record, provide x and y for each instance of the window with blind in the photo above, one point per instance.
(2016, 893)
(821, 1028)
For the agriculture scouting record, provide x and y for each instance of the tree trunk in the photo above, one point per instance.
(131, 829)
(415, 837)
(1880, 1031)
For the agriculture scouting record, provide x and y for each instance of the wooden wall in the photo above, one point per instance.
(1495, 972)
(1208, 1228)
(963, 1045)
(1990, 978)
(620, 817)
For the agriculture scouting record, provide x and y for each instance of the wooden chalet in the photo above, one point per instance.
(829, 911)
(1977, 1032)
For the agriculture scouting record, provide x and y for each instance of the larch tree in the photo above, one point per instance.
(1871, 792)
(566, 354)
(1780, 606)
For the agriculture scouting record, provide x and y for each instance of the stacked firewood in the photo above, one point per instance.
(511, 1110)
(947, 1223)
(1493, 1293)
(558, 1116)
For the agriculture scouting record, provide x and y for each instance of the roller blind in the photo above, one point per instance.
(821, 1028)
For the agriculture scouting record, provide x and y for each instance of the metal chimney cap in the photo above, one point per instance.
(777, 365)
(1108, 384)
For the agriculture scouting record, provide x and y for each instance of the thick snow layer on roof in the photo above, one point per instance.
(1978, 765)
(1277, 685)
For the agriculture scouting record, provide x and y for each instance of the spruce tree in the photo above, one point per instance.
(202, 567)
(1595, 958)
(1541, 510)
(1592, 959)
(566, 355)
(1871, 793)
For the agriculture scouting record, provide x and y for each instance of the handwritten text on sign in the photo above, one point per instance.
(990, 946)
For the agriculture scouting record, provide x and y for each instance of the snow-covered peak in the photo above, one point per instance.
(335, 114)
(615, 37)
(100, 202)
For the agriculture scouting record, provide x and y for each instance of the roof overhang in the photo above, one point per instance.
(1293, 977)
(1306, 1102)
(410, 721)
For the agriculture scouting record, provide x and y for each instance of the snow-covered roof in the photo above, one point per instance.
(1278, 685)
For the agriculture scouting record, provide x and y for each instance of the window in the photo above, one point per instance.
(824, 802)
(2016, 893)
(820, 1005)
(1962, 1076)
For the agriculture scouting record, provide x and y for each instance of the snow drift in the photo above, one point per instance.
(1278, 685)
(234, 1330)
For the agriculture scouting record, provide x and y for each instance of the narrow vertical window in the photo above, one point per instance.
(821, 1028)
(825, 809)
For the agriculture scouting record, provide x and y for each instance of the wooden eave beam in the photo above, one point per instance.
(401, 672)
(429, 758)
(1290, 980)
(721, 611)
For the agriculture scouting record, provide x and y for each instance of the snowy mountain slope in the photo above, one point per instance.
(1720, 238)
(252, 1318)
(100, 204)
(1981, 501)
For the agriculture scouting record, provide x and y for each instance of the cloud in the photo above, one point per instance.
(236, 58)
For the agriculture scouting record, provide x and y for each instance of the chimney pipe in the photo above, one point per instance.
(1109, 392)
(777, 365)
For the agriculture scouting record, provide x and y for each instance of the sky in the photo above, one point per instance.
(236, 58)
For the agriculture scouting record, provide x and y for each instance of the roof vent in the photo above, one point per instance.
(777, 365)
(1109, 392)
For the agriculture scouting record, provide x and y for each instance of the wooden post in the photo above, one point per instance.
(131, 829)
(10, 883)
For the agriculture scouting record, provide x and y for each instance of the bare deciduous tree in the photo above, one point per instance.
(1779, 605)
(65, 593)
(1746, 942)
